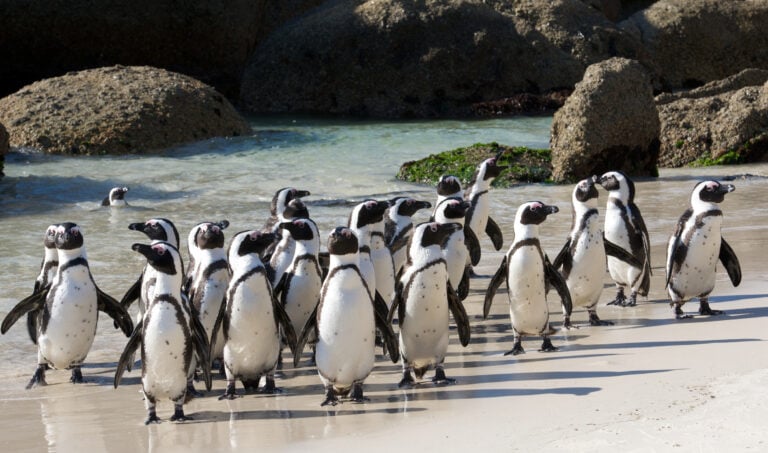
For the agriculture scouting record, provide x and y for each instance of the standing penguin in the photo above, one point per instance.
(209, 278)
(282, 251)
(362, 220)
(115, 198)
(345, 323)
(251, 317)
(398, 226)
(447, 186)
(383, 262)
(696, 246)
(280, 202)
(527, 271)
(299, 288)
(69, 310)
(625, 227)
(479, 214)
(583, 255)
(167, 340)
(42, 283)
(424, 299)
(460, 245)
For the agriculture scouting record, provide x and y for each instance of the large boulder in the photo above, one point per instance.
(697, 41)
(610, 122)
(388, 58)
(725, 120)
(117, 110)
(208, 40)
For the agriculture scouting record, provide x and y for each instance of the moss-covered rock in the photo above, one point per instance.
(526, 165)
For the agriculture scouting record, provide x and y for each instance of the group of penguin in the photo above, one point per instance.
(273, 287)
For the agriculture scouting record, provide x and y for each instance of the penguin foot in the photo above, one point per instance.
(679, 314)
(229, 393)
(441, 379)
(620, 299)
(568, 325)
(547, 346)
(152, 418)
(704, 309)
(631, 302)
(270, 388)
(594, 320)
(330, 398)
(38, 379)
(77, 376)
(357, 393)
(178, 415)
(407, 381)
(517, 349)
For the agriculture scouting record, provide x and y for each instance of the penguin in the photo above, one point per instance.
(398, 226)
(251, 318)
(695, 247)
(115, 198)
(44, 278)
(625, 227)
(209, 278)
(282, 250)
(583, 256)
(345, 321)
(458, 245)
(279, 203)
(424, 299)
(383, 262)
(362, 220)
(193, 250)
(299, 288)
(527, 271)
(165, 334)
(447, 186)
(68, 310)
(478, 195)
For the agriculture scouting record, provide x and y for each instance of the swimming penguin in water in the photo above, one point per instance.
(299, 288)
(69, 310)
(251, 318)
(398, 226)
(696, 246)
(625, 227)
(460, 245)
(478, 195)
(44, 278)
(527, 271)
(116, 198)
(167, 340)
(583, 255)
(424, 300)
(346, 323)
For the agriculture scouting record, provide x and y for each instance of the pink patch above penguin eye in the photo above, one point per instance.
(254, 235)
(537, 206)
(409, 201)
(75, 231)
(712, 185)
(159, 249)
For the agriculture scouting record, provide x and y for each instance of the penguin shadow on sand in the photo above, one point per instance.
(277, 414)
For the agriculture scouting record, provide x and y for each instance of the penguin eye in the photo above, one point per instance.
(253, 236)
(75, 231)
(409, 201)
(433, 227)
(160, 250)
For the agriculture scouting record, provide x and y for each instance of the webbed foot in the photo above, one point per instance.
(77, 376)
(595, 320)
(704, 309)
(440, 377)
(330, 398)
(407, 380)
(357, 393)
(517, 349)
(547, 346)
(679, 314)
(152, 417)
(620, 299)
(229, 393)
(568, 325)
(38, 379)
(178, 415)
(270, 388)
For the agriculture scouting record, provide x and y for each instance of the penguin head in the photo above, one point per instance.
(210, 235)
(250, 242)
(300, 229)
(158, 229)
(282, 197)
(619, 185)
(489, 169)
(448, 185)
(116, 197)
(49, 239)
(342, 241)
(451, 209)
(69, 236)
(367, 213)
(161, 255)
(533, 213)
(585, 190)
(296, 209)
(710, 192)
(434, 233)
(406, 206)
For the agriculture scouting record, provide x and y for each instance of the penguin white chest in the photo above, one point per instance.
(74, 314)
(424, 329)
(698, 271)
(165, 351)
(480, 210)
(302, 293)
(585, 280)
(456, 256)
(527, 292)
(345, 349)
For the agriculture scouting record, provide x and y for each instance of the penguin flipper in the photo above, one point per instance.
(731, 262)
(459, 316)
(34, 301)
(301, 341)
(640, 226)
(563, 255)
(463, 288)
(202, 348)
(117, 312)
(397, 243)
(33, 321)
(283, 320)
(494, 232)
(396, 303)
(133, 293)
(380, 306)
(388, 335)
(558, 282)
(472, 244)
(614, 250)
(493, 286)
(218, 324)
(128, 352)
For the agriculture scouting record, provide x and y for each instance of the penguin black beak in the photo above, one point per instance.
(138, 226)
(423, 204)
(144, 249)
(223, 224)
(726, 188)
(551, 209)
(302, 193)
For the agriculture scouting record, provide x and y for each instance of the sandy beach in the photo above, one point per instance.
(647, 383)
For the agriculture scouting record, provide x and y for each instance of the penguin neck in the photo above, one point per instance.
(580, 208)
(363, 236)
(207, 256)
(247, 261)
(51, 254)
(422, 255)
(343, 260)
(480, 185)
(69, 255)
(529, 231)
(168, 284)
(698, 205)
(310, 247)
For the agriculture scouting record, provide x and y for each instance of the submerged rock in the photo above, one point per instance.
(135, 109)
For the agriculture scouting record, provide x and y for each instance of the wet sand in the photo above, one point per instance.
(647, 383)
